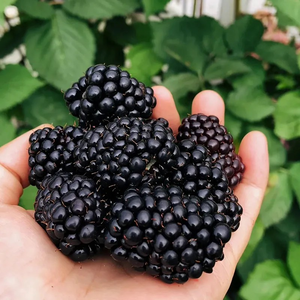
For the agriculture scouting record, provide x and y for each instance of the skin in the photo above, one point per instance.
(32, 268)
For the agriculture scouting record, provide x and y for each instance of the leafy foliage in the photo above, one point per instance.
(258, 79)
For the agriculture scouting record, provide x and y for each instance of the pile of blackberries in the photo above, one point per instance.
(124, 182)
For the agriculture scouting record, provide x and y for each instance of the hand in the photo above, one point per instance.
(32, 268)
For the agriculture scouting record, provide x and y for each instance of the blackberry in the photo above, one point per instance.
(107, 92)
(51, 151)
(196, 174)
(118, 155)
(162, 232)
(73, 214)
(207, 131)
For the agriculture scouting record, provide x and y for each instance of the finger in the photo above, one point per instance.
(250, 192)
(165, 107)
(14, 169)
(209, 103)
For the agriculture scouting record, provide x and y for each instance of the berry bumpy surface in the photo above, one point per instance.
(207, 131)
(107, 92)
(166, 234)
(117, 155)
(72, 213)
(51, 151)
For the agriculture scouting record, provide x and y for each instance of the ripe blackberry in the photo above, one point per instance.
(73, 214)
(163, 232)
(107, 92)
(195, 174)
(117, 155)
(51, 150)
(207, 131)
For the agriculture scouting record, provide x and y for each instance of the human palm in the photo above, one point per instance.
(32, 268)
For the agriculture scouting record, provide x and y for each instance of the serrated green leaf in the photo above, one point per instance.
(295, 179)
(244, 35)
(255, 77)
(36, 8)
(180, 84)
(8, 131)
(151, 7)
(290, 8)
(28, 197)
(277, 152)
(194, 39)
(60, 49)
(222, 68)
(269, 247)
(192, 56)
(287, 115)
(16, 85)
(233, 124)
(281, 55)
(278, 198)
(47, 105)
(144, 63)
(100, 9)
(12, 39)
(293, 261)
(250, 104)
(256, 236)
(270, 281)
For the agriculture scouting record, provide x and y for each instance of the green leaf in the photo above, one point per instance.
(284, 20)
(233, 124)
(144, 63)
(293, 261)
(250, 104)
(194, 40)
(99, 9)
(295, 179)
(180, 84)
(255, 77)
(192, 56)
(47, 105)
(16, 85)
(12, 39)
(60, 49)
(151, 7)
(278, 198)
(28, 197)
(287, 115)
(8, 131)
(269, 247)
(36, 8)
(281, 55)
(277, 152)
(270, 281)
(222, 68)
(256, 236)
(285, 82)
(244, 35)
(290, 8)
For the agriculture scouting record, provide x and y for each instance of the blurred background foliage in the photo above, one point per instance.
(48, 45)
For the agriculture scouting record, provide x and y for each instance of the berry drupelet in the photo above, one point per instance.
(107, 92)
(51, 151)
(73, 214)
(117, 155)
(161, 231)
(207, 131)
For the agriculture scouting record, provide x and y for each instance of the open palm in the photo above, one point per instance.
(32, 268)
